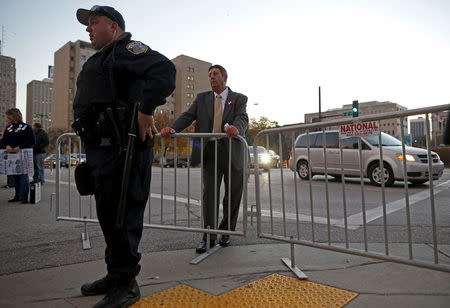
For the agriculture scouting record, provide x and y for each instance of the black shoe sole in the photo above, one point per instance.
(87, 293)
(200, 251)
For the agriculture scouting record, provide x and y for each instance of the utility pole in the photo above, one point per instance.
(320, 106)
(2, 41)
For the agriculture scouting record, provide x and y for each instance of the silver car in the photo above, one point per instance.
(416, 158)
(264, 159)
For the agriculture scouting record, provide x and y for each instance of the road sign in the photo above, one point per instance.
(358, 129)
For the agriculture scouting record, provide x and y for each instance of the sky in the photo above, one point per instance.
(276, 52)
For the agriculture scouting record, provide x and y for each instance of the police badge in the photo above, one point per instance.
(136, 47)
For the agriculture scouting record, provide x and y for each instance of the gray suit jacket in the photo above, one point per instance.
(202, 111)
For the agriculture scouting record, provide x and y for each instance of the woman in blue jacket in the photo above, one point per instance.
(17, 136)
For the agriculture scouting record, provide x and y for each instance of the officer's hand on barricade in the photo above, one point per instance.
(166, 132)
(146, 125)
(231, 131)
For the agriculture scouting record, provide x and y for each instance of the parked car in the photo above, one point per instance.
(76, 158)
(416, 158)
(274, 159)
(50, 161)
(170, 163)
(264, 159)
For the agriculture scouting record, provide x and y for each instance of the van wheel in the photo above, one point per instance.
(375, 175)
(303, 170)
(418, 182)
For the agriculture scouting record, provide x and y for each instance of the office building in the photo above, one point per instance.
(69, 60)
(191, 79)
(39, 102)
(7, 87)
(417, 128)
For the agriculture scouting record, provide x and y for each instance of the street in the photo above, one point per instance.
(31, 238)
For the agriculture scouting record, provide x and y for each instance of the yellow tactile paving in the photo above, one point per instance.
(272, 291)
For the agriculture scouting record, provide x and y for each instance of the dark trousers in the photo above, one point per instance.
(10, 180)
(121, 254)
(38, 163)
(22, 186)
(211, 194)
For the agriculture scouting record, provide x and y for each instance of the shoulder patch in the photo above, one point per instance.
(136, 47)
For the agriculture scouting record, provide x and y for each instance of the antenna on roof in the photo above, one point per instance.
(2, 41)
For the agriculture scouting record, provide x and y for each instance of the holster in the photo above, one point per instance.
(87, 131)
(108, 124)
(84, 179)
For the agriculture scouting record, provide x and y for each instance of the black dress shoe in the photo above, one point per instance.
(120, 296)
(14, 200)
(201, 247)
(98, 287)
(225, 241)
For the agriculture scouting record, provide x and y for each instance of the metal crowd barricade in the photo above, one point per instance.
(193, 197)
(70, 206)
(175, 205)
(310, 233)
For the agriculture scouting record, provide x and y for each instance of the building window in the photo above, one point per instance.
(190, 95)
(190, 77)
(190, 69)
(190, 86)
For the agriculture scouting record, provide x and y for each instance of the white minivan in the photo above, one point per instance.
(416, 158)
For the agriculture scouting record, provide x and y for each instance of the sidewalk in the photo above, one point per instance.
(378, 284)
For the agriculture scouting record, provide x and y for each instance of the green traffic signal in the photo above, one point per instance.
(355, 109)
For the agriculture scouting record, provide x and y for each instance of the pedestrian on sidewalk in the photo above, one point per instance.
(39, 152)
(9, 178)
(18, 136)
(121, 75)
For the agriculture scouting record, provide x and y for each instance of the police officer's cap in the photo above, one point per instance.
(107, 11)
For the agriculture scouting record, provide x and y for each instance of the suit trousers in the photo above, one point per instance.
(212, 180)
(121, 254)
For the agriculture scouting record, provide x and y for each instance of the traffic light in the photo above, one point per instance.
(355, 109)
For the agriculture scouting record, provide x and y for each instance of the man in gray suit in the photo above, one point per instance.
(218, 111)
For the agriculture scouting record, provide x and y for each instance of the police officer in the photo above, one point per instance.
(122, 73)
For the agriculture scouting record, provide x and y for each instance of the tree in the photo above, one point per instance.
(183, 145)
(53, 134)
(257, 125)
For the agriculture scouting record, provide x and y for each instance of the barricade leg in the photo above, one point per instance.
(85, 237)
(291, 263)
(209, 251)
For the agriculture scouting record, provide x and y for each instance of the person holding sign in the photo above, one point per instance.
(18, 136)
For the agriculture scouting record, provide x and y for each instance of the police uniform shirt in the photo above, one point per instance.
(129, 61)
